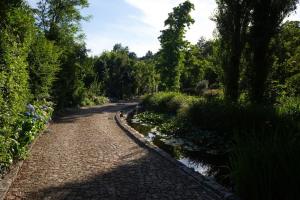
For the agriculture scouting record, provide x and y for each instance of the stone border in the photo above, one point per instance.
(209, 185)
(11, 175)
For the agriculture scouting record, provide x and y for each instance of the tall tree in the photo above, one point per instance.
(267, 15)
(193, 71)
(286, 65)
(232, 19)
(60, 20)
(6, 5)
(172, 43)
(145, 77)
(43, 60)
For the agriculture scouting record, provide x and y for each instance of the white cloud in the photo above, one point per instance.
(155, 12)
(141, 34)
(295, 16)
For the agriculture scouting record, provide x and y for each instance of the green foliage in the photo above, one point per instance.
(265, 165)
(217, 115)
(263, 141)
(115, 69)
(150, 118)
(145, 77)
(30, 64)
(293, 85)
(246, 32)
(94, 100)
(99, 100)
(43, 60)
(286, 69)
(193, 71)
(172, 42)
(167, 102)
(232, 22)
(15, 40)
(25, 129)
(264, 26)
(122, 75)
(60, 21)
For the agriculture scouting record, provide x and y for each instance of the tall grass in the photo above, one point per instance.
(266, 166)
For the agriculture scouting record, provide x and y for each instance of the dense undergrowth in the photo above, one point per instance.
(94, 100)
(262, 141)
(14, 143)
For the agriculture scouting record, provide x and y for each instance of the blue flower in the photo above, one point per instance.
(36, 117)
(44, 107)
(27, 114)
(30, 108)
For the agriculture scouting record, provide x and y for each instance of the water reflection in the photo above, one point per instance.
(198, 167)
(186, 152)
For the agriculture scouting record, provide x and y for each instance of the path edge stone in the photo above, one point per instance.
(209, 185)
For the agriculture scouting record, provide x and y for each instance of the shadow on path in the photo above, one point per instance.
(137, 180)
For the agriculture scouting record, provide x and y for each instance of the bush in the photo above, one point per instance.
(293, 85)
(215, 114)
(100, 100)
(15, 39)
(25, 129)
(94, 100)
(167, 102)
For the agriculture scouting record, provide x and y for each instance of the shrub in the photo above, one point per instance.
(167, 102)
(293, 85)
(94, 100)
(25, 129)
(15, 39)
(215, 114)
(100, 100)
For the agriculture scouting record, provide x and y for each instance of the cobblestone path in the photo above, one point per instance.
(87, 156)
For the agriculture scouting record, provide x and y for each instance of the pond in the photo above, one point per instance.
(212, 165)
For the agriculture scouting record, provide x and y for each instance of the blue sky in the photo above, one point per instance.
(137, 23)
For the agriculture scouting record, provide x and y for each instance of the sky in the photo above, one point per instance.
(137, 23)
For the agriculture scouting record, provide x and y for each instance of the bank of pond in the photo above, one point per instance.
(252, 150)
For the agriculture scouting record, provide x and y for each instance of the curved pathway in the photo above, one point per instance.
(87, 156)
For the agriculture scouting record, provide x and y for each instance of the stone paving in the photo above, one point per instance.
(87, 156)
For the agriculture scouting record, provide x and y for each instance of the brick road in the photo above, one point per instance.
(87, 156)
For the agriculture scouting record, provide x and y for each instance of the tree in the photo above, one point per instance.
(115, 69)
(286, 60)
(43, 60)
(6, 5)
(145, 77)
(193, 71)
(60, 20)
(172, 43)
(232, 23)
(266, 18)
